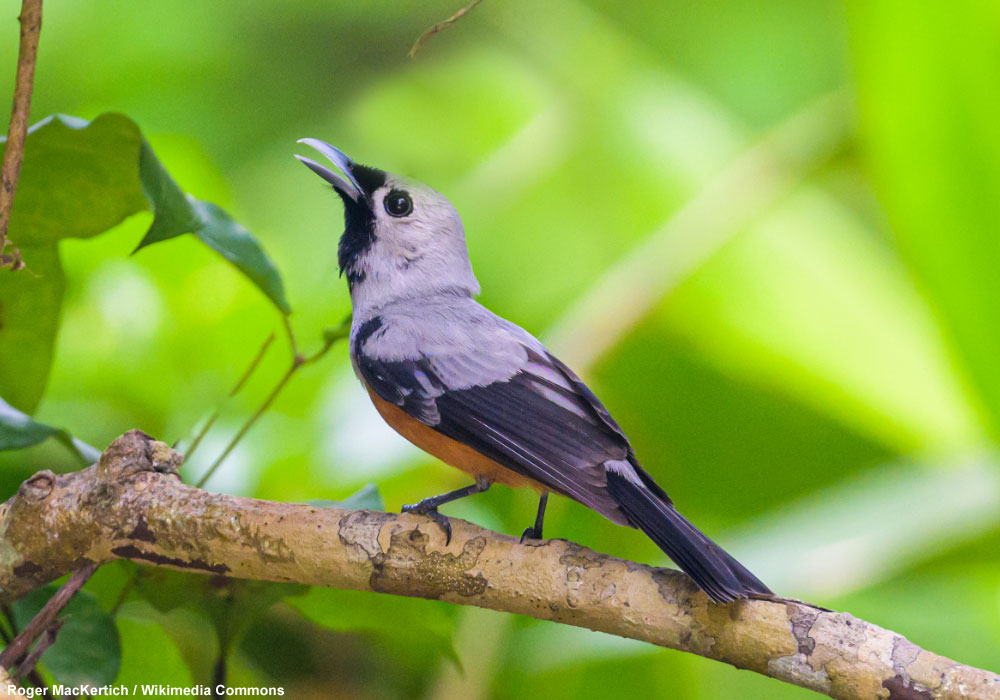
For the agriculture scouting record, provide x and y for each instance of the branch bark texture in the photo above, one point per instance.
(31, 27)
(133, 505)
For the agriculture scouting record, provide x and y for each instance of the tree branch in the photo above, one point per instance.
(31, 27)
(132, 505)
(46, 618)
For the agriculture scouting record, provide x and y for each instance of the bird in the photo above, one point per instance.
(479, 392)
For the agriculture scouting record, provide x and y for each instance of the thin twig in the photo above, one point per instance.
(22, 642)
(290, 332)
(439, 26)
(33, 675)
(126, 589)
(31, 27)
(233, 392)
(298, 361)
(27, 667)
(253, 366)
(248, 424)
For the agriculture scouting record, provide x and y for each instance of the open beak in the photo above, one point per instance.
(346, 185)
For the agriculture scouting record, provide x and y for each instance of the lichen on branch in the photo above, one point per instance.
(133, 505)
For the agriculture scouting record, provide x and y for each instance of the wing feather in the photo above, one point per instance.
(541, 421)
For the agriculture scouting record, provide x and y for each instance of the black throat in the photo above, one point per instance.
(359, 224)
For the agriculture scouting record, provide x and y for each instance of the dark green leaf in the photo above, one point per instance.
(79, 179)
(29, 319)
(367, 498)
(190, 631)
(230, 604)
(18, 430)
(176, 213)
(234, 603)
(88, 650)
(426, 623)
(149, 653)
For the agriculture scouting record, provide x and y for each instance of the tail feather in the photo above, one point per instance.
(716, 572)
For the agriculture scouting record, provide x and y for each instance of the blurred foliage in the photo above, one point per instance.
(819, 391)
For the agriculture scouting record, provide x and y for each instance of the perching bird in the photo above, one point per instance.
(477, 391)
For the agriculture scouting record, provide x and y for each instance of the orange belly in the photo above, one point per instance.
(450, 451)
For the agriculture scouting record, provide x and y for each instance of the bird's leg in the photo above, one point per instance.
(535, 532)
(429, 506)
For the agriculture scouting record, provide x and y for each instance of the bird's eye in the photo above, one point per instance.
(398, 203)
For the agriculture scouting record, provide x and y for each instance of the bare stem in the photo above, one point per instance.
(27, 667)
(422, 39)
(46, 616)
(248, 424)
(298, 361)
(31, 27)
(254, 364)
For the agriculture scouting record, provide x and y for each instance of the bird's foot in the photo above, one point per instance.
(531, 533)
(431, 512)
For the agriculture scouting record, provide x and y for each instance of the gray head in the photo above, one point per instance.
(401, 238)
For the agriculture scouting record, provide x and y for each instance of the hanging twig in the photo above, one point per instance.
(439, 26)
(31, 26)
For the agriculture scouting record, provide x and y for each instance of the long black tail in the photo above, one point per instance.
(648, 508)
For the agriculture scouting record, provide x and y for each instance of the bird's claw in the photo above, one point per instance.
(530, 533)
(432, 513)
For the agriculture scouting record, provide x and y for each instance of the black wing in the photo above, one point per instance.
(542, 422)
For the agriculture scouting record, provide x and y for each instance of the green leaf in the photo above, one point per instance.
(235, 603)
(29, 319)
(78, 179)
(190, 631)
(149, 653)
(367, 498)
(87, 650)
(176, 213)
(18, 430)
(427, 624)
(231, 605)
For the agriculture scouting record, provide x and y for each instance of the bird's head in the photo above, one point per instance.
(401, 238)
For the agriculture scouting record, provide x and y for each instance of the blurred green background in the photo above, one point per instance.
(766, 232)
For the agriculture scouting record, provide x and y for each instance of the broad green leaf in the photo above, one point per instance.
(427, 623)
(176, 213)
(231, 605)
(18, 430)
(929, 97)
(78, 179)
(87, 650)
(149, 654)
(367, 498)
(234, 603)
(29, 319)
(190, 631)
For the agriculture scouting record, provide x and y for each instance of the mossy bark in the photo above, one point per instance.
(133, 505)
